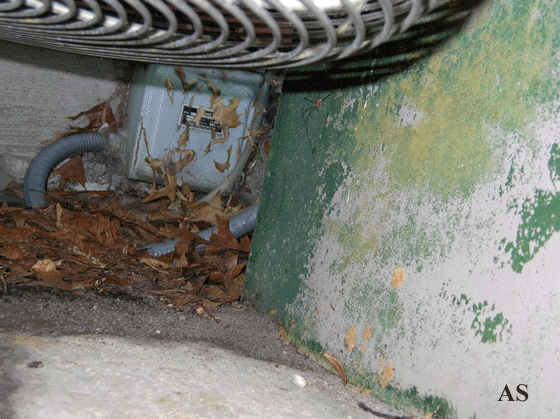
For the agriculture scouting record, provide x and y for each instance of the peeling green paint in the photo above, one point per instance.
(492, 327)
(554, 162)
(460, 300)
(431, 172)
(380, 305)
(349, 235)
(434, 125)
(390, 315)
(358, 374)
(540, 219)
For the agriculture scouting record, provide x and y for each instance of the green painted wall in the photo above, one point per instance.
(449, 170)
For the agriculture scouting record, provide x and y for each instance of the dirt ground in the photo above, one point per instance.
(238, 327)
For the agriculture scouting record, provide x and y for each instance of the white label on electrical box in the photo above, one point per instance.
(206, 122)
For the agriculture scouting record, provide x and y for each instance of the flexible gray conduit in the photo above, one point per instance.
(35, 183)
(239, 225)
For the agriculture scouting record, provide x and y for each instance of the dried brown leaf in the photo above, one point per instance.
(95, 249)
(206, 213)
(208, 303)
(158, 263)
(16, 234)
(155, 164)
(201, 113)
(208, 148)
(216, 201)
(215, 89)
(44, 265)
(59, 213)
(170, 88)
(180, 72)
(184, 138)
(105, 230)
(169, 191)
(213, 292)
(187, 157)
(221, 167)
(335, 363)
(245, 244)
(188, 84)
(188, 241)
(98, 115)
(186, 194)
(236, 289)
(181, 301)
(224, 231)
(55, 280)
(227, 116)
(251, 134)
(72, 170)
(12, 252)
(236, 271)
(284, 334)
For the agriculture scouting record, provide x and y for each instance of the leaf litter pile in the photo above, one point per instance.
(94, 240)
(91, 241)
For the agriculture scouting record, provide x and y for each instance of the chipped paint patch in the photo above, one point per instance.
(409, 115)
(398, 278)
(349, 339)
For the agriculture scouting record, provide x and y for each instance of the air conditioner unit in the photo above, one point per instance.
(244, 34)
(222, 48)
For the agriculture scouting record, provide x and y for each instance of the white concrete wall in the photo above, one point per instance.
(40, 89)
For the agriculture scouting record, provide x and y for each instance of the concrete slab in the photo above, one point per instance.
(105, 357)
(108, 377)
